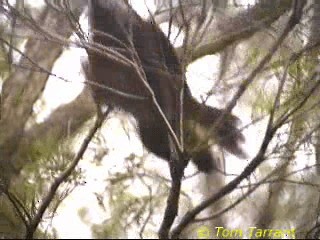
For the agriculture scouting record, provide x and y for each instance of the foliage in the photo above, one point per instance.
(276, 89)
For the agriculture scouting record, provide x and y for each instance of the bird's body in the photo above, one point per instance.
(164, 75)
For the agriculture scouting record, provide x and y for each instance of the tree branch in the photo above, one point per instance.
(227, 30)
(271, 130)
(63, 177)
(23, 88)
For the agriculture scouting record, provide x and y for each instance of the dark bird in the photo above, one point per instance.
(115, 25)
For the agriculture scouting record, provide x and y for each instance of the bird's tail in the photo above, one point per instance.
(205, 127)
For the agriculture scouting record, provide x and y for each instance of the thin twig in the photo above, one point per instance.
(249, 80)
(270, 132)
(87, 82)
(244, 196)
(62, 178)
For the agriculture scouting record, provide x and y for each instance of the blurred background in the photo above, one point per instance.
(246, 52)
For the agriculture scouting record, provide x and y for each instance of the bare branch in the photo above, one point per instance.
(23, 88)
(62, 178)
(245, 84)
(229, 29)
(259, 158)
